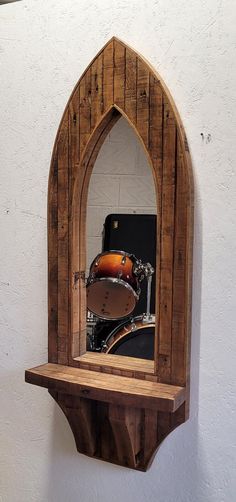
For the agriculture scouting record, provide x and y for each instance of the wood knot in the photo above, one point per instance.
(85, 391)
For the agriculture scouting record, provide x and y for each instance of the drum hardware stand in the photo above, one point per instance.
(147, 317)
(91, 325)
(148, 271)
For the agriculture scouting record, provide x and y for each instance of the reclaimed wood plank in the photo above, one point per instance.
(53, 262)
(149, 435)
(85, 110)
(143, 101)
(107, 388)
(156, 153)
(125, 423)
(97, 90)
(178, 358)
(63, 243)
(119, 74)
(131, 85)
(120, 362)
(108, 76)
(167, 239)
(156, 129)
(80, 414)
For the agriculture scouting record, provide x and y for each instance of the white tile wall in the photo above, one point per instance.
(121, 182)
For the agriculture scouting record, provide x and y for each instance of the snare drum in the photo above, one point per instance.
(112, 286)
(133, 339)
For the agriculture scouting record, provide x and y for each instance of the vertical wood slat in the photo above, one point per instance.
(85, 110)
(178, 360)
(106, 442)
(119, 74)
(80, 414)
(143, 101)
(156, 130)
(108, 76)
(167, 240)
(89, 86)
(52, 262)
(131, 85)
(97, 90)
(74, 136)
(74, 157)
(63, 243)
(150, 434)
(125, 423)
(156, 153)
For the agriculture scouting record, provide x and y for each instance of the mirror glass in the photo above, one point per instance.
(121, 248)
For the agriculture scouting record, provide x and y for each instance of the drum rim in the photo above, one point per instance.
(116, 280)
(108, 347)
(118, 251)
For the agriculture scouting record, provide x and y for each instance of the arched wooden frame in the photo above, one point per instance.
(120, 81)
(137, 416)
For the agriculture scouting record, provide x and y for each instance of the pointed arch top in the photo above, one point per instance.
(118, 75)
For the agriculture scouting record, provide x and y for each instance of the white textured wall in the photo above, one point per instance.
(44, 47)
(121, 182)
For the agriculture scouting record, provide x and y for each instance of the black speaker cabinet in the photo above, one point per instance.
(135, 234)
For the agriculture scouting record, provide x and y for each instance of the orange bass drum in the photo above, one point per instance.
(134, 338)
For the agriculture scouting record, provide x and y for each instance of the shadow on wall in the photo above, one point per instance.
(178, 472)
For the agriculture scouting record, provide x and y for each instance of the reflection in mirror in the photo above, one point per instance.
(121, 248)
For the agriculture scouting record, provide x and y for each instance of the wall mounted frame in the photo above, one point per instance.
(119, 408)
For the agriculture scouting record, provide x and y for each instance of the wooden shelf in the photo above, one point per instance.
(106, 387)
(133, 366)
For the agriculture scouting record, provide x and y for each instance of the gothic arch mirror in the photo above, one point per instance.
(120, 407)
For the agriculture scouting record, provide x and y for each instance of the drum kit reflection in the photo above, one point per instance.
(113, 290)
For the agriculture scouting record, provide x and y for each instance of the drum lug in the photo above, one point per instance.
(91, 278)
(123, 261)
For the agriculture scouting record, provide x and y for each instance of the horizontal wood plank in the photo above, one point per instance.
(107, 388)
(116, 361)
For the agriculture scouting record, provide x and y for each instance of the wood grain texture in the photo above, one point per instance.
(108, 388)
(97, 90)
(107, 363)
(167, 238)
(80, 413)
(63, 243)
(119, 74)
(108, 75)
(143, 101)
(119, 82)
(130, 95)
(126, 425)
(52, 262)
